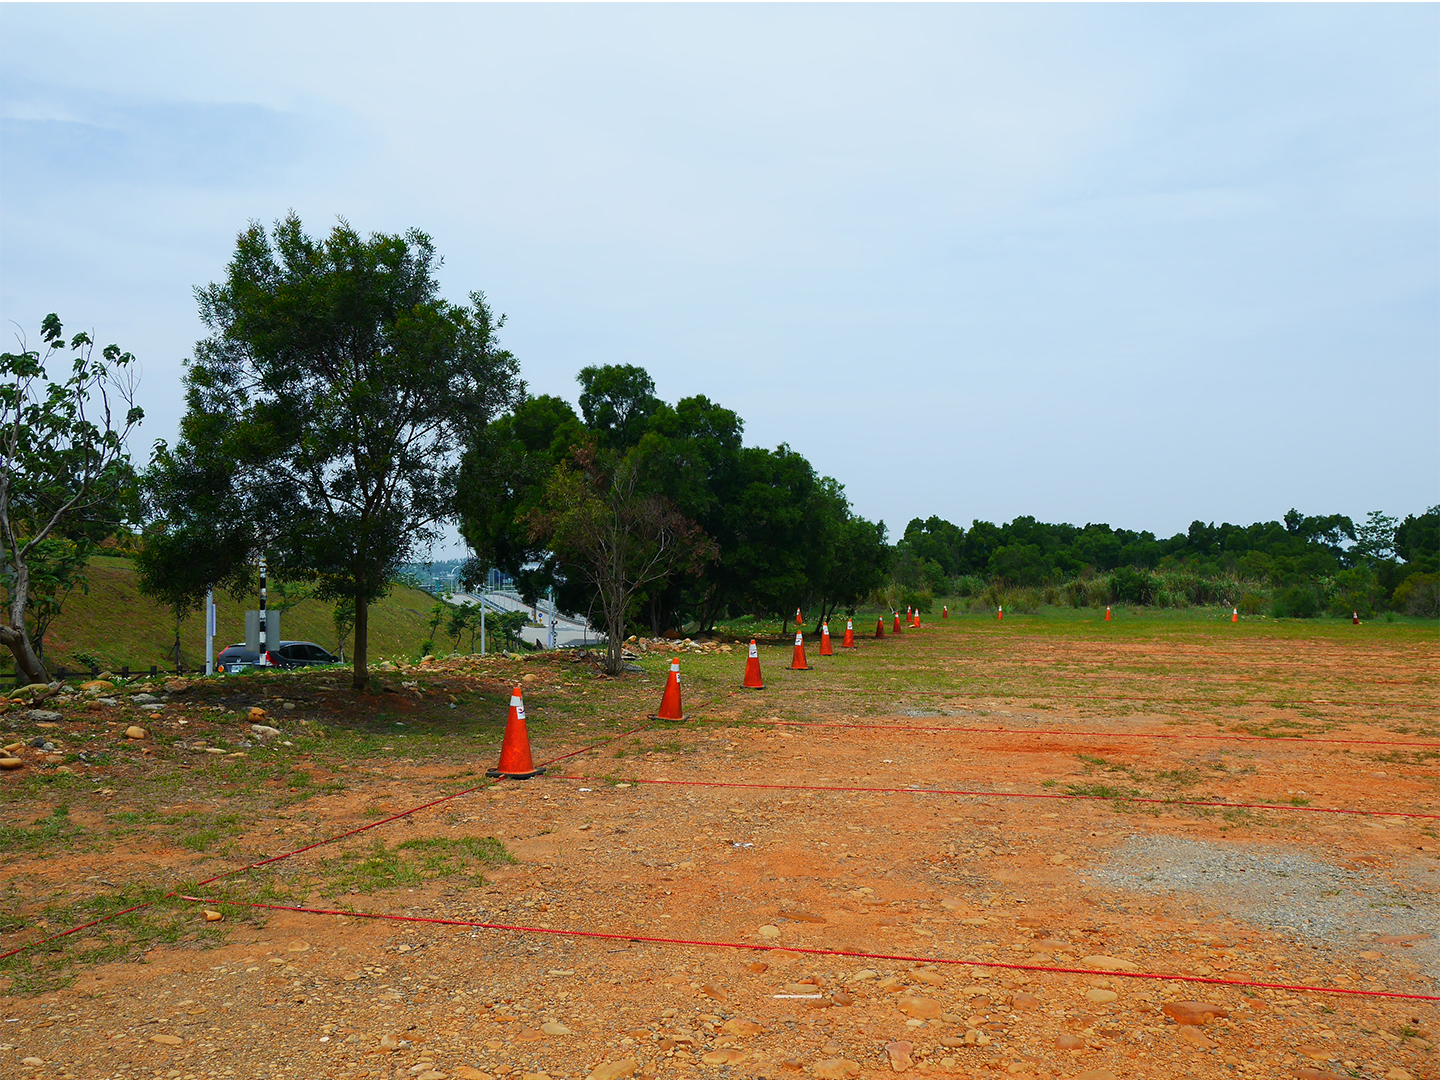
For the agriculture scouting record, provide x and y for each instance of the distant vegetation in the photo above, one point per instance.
(1299, 567)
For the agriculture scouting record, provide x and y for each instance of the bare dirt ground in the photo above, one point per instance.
(943, 817)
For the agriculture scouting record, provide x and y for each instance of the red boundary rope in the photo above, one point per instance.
(1021, 795)
(1085, 734)
(811, 952)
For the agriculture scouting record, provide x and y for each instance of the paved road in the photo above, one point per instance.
(568, 630)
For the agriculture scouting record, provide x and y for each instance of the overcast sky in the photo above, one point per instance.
(1127, 264)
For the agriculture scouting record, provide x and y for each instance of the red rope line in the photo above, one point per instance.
(1084, 734)
(599, 935)
(308, 847)
(1021, 795)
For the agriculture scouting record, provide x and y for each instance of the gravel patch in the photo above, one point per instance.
(1325, 905)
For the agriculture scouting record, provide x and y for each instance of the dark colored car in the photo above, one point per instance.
(288, 654)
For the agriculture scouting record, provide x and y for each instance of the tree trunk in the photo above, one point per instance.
(362, 644)
(28, 666)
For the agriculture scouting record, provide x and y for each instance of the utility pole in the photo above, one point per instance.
(209, 632)
(264, 657)
(552, 617)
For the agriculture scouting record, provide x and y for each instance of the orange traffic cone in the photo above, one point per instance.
(1107, 612)
(1355, 617)
(797, 662)
(880, 627)
(670, 700)
(896, 628)
(916, 623)
(825, 649)
(848, 641)
(945, 612)
(515, 762)
(1000, 613)
(798, 619)
(752, 669)
(1235, 614)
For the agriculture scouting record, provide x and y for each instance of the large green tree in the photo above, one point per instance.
(327, 411)
(65, 477)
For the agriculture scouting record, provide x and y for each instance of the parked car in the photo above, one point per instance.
(288, 654)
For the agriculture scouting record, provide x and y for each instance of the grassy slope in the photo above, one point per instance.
(119, 625)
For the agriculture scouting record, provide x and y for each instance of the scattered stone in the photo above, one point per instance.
(297, 946)
(97, 686)
(1107, 963)
(1101, 997)
(134, 732)
(530, 677)
(1096, 1074)
(265, 731)
(212, 915)
(900, 1053)
(167, 1040)
(10, 763)
(465, 1072)
(175, 686)
(769, 931)
(529, 1035)
(555, 1028)
(613, 1070)
(1197, 1013)
(144, 699)
(1192, 1036)
(1398, 1073)
(740, 1026)
(1024, 1002)
(433, 1074)
(32, 1062)
(919, 1008)
(1069, 1042)
(1306, 1072)
(714, 990)
(723, 1057)
(929, 978)
(835, 1068)
(389, 1043)
(257, 714)
(43, 716)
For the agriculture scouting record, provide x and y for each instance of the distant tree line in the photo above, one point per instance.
(1299, 566)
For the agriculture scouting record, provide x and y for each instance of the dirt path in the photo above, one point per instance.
(706, 833)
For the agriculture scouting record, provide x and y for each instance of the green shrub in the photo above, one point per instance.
(1296, 602)
(1419, 594)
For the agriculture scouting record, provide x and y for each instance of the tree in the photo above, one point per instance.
(330, 404)
(617, 401)
(620, 539)
(65, 479)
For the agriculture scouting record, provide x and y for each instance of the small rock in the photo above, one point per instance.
(1313, 1052)
(530, 677)
(1024, 1001)
(1192, 1036)
(144, 699)
(289, 706)
(297, 946)
(529, 1036)
(391, 1042)
(212, 915)
(32, 1062)
(900, 1053)
(929, 978)
(555, 1028)
(64, 770)
(1100, 997)
(613, 1070)
(714, 990)
(1398, 1073)
(42, 716)
(134, 732)
(257, 714)
(1096, 1074)
(432, 1074)
(466, 1072)
(97, 686)
(1107, 963)
(835, 1068)
(10, 763)
(1198, 1013)
(740, 1026)
(174, 686)
(1069, 1042)
(768, 931)
(1306, 1072)
(723, 1057)
(919, 1008)
(167, 1040)
(264, 731)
